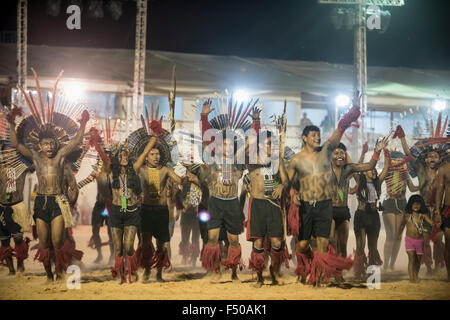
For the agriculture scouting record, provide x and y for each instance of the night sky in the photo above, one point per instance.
(278, 29)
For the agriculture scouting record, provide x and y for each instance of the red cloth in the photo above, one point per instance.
(61, 260)
(256, 261)
(234, 258)
(147, 256)
(22, 250)
(277, 258)
(118, 269)
(69, 247)
(211, 257)
(5, 253)
(399, 133)
(304, 263)
(132, 265)
(43, 256)
(351, 116)
(11, 116)
(162, 260)
(327, 264)
(156, 127)
(360, 266)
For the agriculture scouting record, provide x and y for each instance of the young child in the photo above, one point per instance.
(414, 220)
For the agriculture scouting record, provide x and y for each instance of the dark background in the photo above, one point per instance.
(280, 29)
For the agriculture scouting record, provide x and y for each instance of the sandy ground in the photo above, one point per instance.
(187, 283)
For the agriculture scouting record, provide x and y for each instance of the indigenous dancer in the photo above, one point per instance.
(265, 216)
(342, 171)
(426, 157)
(312, 166)
(151, 167)
(417, 212)
(222, 179)
(443, 196)
(47, 144)
(367, 220)
(14, 216)
(395, 174)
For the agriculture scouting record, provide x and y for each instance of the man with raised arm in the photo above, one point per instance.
(222, 180)
(312, 168)
(342, 171)
(154, 177)
(51, 209)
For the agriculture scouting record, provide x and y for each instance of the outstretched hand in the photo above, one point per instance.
(206, 108)
(381, 145)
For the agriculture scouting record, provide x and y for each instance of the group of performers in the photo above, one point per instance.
(254, 184)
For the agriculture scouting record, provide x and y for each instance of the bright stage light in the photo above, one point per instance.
(204, 216)
(105, 212)
(342, 101)
(74, 90)
(439, 104)
(241, 96)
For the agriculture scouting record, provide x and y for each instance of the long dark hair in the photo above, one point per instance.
(133, 181)
(416, 198)
(363, 190)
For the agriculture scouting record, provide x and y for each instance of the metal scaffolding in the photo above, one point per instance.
(22, 16)
(360, 46)
(139, 58)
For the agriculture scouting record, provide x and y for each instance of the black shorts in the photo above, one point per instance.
(8, 227)
(120, 219)
(225, 213)
(46, 208)
(340, 214)
(98, 215)
(369, 220)
(394, 206)
(264, 219)
(155, 220)
(315, 220)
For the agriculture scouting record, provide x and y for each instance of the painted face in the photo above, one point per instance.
(396, 161)
(371, 174)
(338, 157)
(313, 139)
(433, 160)
(153, 158)
(416, 207)
(123, 157)
(48, 147)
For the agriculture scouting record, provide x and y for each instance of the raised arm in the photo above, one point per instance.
(78, 139)
(351, 116)
(360, 167)
(399, 133)
(94, 141)
(384, 172)
(206, 110)
(140, 160)
(11, 118)
(411, 185)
